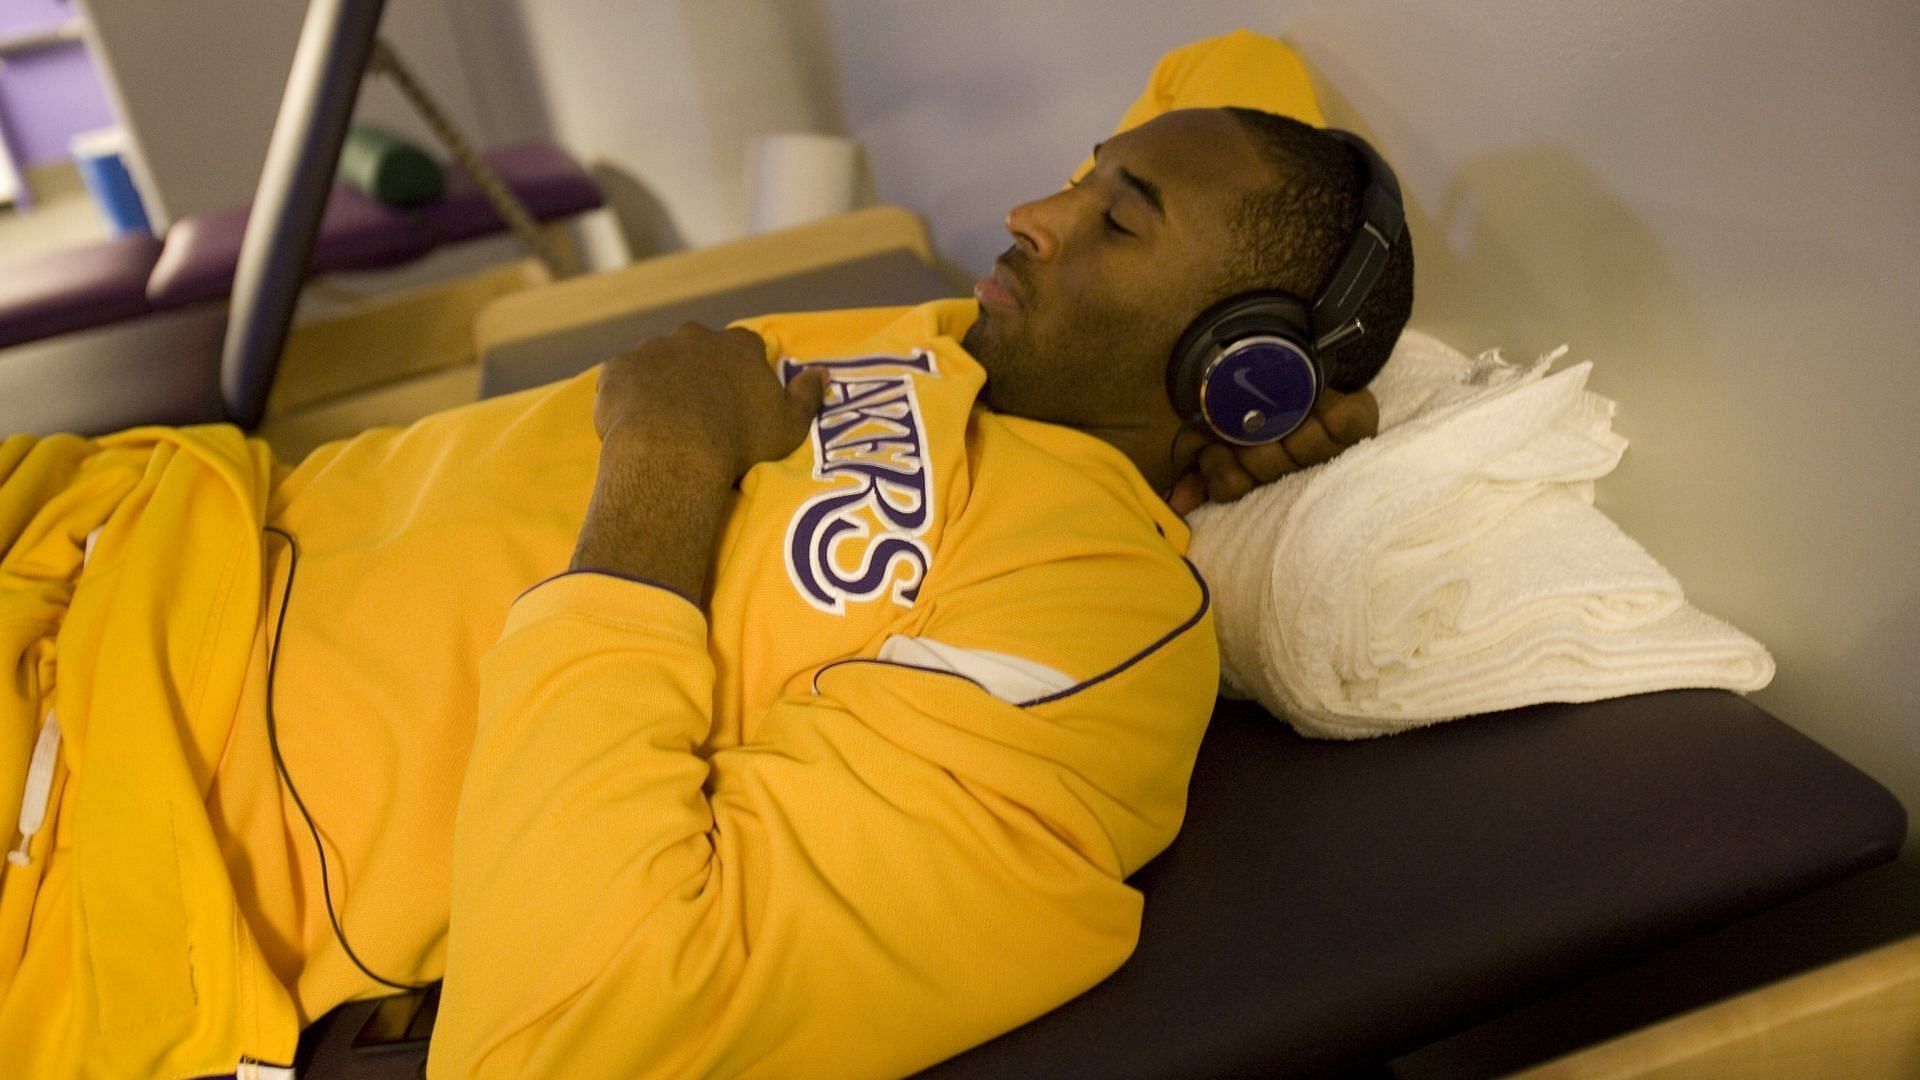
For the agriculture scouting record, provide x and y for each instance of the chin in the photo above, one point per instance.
(990, 352)
(977, 340)
(970, 340)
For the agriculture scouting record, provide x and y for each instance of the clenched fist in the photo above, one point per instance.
(1219, 472)
(705, 391)
(681, 419)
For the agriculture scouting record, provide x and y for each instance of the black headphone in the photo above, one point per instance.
(1249, 367)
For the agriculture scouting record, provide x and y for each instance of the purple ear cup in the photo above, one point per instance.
(1258, 391)
(1245, 368)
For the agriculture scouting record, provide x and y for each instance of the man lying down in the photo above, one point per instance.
(789, 700)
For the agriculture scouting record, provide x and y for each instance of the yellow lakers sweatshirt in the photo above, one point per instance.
(874, 806)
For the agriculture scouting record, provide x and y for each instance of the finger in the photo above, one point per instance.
(1310, 444)
(1266, 462)
(1189, 492)
(806, 392)
(1349, 418)
(745, 337)
(1226, 480)
(743, 346)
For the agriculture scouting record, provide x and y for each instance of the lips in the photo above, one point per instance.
(998, 290)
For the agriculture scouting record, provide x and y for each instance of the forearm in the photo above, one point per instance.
(625, 905)
(656, 511)
(581, 822)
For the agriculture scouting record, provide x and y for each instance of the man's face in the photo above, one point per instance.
(1079, 316)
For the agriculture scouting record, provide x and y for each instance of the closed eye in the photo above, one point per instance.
(1112, 223)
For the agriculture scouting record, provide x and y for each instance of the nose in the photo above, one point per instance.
(1038, 225)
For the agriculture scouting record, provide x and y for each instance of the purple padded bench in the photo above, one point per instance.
(74, 289)
(549, 182)
(135, 275)
(129, 331)
(358, 233)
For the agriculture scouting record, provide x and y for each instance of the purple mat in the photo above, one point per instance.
(133, 275)
(547, 179)
(76, 288)
(357, 233)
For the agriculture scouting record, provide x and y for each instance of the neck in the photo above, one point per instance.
(1148, 445)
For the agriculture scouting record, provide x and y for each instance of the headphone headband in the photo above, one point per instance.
(1382, 219)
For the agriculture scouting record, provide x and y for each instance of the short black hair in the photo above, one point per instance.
(1290, 236)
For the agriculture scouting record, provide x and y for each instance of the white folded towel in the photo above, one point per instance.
(1454, 564)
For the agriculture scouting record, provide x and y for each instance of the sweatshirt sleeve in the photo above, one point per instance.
(899, 867)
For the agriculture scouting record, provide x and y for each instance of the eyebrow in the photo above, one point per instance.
(1146, 188)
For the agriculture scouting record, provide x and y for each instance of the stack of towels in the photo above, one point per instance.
(1454, 564)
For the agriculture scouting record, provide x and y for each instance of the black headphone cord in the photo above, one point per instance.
(280, 764)
(1173, 445)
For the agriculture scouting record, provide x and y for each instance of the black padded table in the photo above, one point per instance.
(1330, 905)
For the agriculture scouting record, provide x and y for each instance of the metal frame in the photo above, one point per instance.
(336, 43)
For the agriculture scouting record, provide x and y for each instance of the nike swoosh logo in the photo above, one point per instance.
(1241, 380)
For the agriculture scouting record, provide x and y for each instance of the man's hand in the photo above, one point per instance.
(681, 419)
(706, 391)
(1222, 472)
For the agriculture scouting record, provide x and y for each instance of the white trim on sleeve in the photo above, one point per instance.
(1010, 678)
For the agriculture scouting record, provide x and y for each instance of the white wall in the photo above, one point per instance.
(198, 85)
(671, 94)
(1717, 202)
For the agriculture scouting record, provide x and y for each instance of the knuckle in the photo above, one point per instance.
(1226, 477)
(1354, 417)
(651, 347)
(1267, 461)
(1229, 486)
(1310, 445)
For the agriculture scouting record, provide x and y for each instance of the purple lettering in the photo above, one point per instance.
(862, 536)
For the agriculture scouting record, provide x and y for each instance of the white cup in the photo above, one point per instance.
(796, 177)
